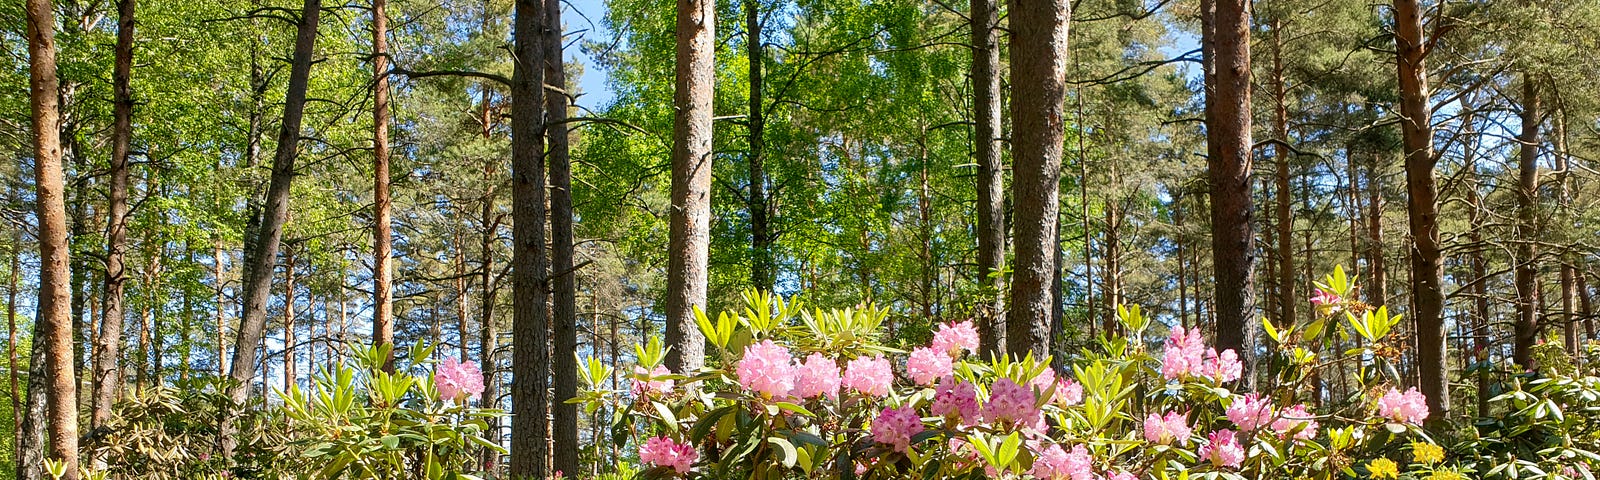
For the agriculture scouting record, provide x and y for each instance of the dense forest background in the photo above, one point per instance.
(853, 152)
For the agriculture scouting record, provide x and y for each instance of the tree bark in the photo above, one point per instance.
(1378, 290)
(759, 206)
(530, 362)
(991, 172)
(1288, 295)
(1422, 207)
(690, 222)
(31, 433)
(289, 367)
(55, 294)
(487, 329)
(565, 361)
(264, 254)
(383, 307)
(1526, 330)
(1039, 49)
(109, 341)
(222, 321)
(1228, 144)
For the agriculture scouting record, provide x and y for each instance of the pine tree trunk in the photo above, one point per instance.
(759, 206)
(690, 219)
(264, 254)
(31, 432)
(530, 362)
(1228, 144)
(565, 361)
(55, 334)
(289, 368)
(109, 341)
(1378, 288)
(1527, 270)
(487, 329)
(1288, 296)
(382, 276)
(991, 173)
(1038, 54)
(1427, 269)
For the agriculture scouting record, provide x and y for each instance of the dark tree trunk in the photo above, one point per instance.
(1422, 207)
(1038, 54)
(289, 340)
(264, 254)
(1527, 271)
(530, 360)
(55, 336)
(690, 222)
(1228, 145)
(383, 304)
(565, 361)
(31, 433)
(991, 173)
(109, 341)
(759, 206)
(1378, 288)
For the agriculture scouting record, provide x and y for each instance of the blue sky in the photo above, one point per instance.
(585, 16)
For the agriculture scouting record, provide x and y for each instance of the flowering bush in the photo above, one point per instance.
(790, 393)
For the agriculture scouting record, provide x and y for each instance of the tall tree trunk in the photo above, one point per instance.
(991, 173)
(1228, 145)
(31, 436)
(530, 362)
(1039, 49)
(487, 329)
(264, 254)
(565, 361)
(55, 294)
(463, 350)
(1569, 292)
(1378, 290)
(217, 272)
(383, 308)
(690, 222)
(1422, 206)
(109, 340)
(1288, 295)
(1527, 326)
(759, 206)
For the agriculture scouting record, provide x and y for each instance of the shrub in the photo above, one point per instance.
(790, 393)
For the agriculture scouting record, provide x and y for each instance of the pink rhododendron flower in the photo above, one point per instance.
(1410, 407)
(1009, 402)
(1068, 392)
(1122, 476)
(1324, 298)
(896, 426)
(819, 375)
(457, 380)
(1222, 368)
(1183, 353)
(869, 375)
(1041, 382)
(1223, 449)
(645, 384)
(1055, 463)
(1167, 429)
(1296, 417)
(766, 368)
(1250, 412)
(952, 338)
(926, 365)
(663, 452)
(956, 400)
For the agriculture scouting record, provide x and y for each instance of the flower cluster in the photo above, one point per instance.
(458, 381)
(926, 365)
(767, 369)
(1056, 463)
(818, 376)
(1186, 355)
(1297, 420)
(1165, 430)
(663, 452)
(1010, 403)
(1250, 412)
(956, 400)
(1222, 449)
(952, 338)
(1410, 407)
(895, 426)
(645, 382)
(869, 375)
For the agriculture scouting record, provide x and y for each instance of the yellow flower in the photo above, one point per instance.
(1383, 468)
(1428, 453)
(1446, 475)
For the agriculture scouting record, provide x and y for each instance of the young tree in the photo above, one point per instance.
(991, 174)
(1422, 205)
(1526, 328)
(758, 205)
(690, 217)
(530, 361)
(1038, 51)
(55, 295)
(264, 254)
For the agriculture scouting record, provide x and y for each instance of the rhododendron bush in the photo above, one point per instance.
(793, 393)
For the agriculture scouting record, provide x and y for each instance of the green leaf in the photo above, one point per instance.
(787, 449)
